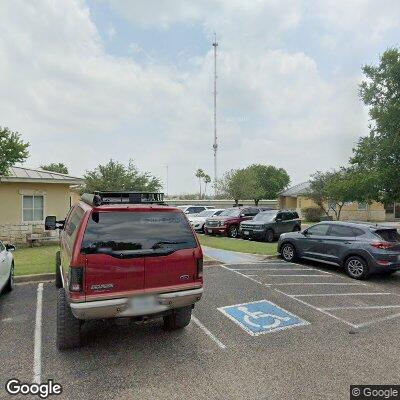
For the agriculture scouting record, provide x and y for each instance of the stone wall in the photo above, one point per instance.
(20, 233)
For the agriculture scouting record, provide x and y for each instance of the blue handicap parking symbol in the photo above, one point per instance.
(261, 317)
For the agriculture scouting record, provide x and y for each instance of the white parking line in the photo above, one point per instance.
(318, 283)
(321, 309)
(358, 308)
(302, 275)
(37, 358)
(338, 294)
(272, 269)
(378, 321)
(208, 333)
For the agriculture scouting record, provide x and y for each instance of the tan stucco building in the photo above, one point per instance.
(27, 196)
(296, 198)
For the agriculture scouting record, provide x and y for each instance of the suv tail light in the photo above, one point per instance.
(199, 273)
(382, 245)
(75, 278)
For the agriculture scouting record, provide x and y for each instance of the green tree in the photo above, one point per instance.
(332, 190)
(12, 149)
(116, 176)
(199, 174)
(378, 154)
(207, 180)
(240, 185)
(266, 181)
(222, 185)
(53, 167)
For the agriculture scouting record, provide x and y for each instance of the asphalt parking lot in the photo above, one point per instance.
(344, 332)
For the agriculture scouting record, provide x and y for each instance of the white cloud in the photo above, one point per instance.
(78, 104)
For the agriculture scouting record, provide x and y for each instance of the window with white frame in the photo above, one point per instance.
(32, 208)
(362, 206)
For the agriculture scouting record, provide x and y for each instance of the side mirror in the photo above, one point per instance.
(187, 212)
(10, 247)
(50, 223)
(305, 232)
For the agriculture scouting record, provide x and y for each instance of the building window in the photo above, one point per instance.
(362, 206)
(32, 208)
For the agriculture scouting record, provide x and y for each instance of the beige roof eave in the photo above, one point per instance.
(13, 179)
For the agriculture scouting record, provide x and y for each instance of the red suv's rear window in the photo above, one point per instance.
(137, 231)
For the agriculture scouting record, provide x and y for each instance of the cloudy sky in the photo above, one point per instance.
(86, 81)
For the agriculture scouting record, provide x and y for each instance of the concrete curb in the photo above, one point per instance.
(34, 278)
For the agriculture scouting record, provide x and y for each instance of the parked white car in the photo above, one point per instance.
(197, 221)
(192, 209)
(6, 267)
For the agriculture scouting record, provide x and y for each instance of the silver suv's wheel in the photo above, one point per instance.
(288, 252)
(356, 268)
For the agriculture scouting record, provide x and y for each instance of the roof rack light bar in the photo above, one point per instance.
(101, 198)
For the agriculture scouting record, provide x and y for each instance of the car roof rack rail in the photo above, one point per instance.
(122, 197)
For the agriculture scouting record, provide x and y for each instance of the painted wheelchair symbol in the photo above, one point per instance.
(261, 316)
(256, 315)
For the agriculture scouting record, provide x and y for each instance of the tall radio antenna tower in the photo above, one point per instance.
(215, 145)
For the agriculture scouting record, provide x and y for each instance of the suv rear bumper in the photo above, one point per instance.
(126, 307)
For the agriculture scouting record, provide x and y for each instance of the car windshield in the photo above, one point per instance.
(206, 213)
(230, 212)
(267, 216)
(118, 231)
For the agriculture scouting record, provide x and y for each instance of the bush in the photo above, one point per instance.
(312, 214)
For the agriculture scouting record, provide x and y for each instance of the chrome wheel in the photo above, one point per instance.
(355, 268)
(288, 252)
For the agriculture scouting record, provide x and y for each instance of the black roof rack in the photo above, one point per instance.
(100, 198)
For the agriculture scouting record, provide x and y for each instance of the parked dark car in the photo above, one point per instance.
(227, 223)
(269, 225)
(360, 248)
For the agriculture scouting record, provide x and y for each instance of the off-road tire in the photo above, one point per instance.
(269, 236)
(58, 281)
(296, 228)
(178, 319)
(356, 268)
(68, 327)
(10, 283)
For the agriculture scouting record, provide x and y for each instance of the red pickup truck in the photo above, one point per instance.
(125, 255)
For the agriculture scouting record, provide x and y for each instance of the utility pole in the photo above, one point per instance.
(215, 145)
(167, 179)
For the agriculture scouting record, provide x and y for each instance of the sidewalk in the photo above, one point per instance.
(232, 257)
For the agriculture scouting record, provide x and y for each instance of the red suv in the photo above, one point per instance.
(227, 223)
(125, 255)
